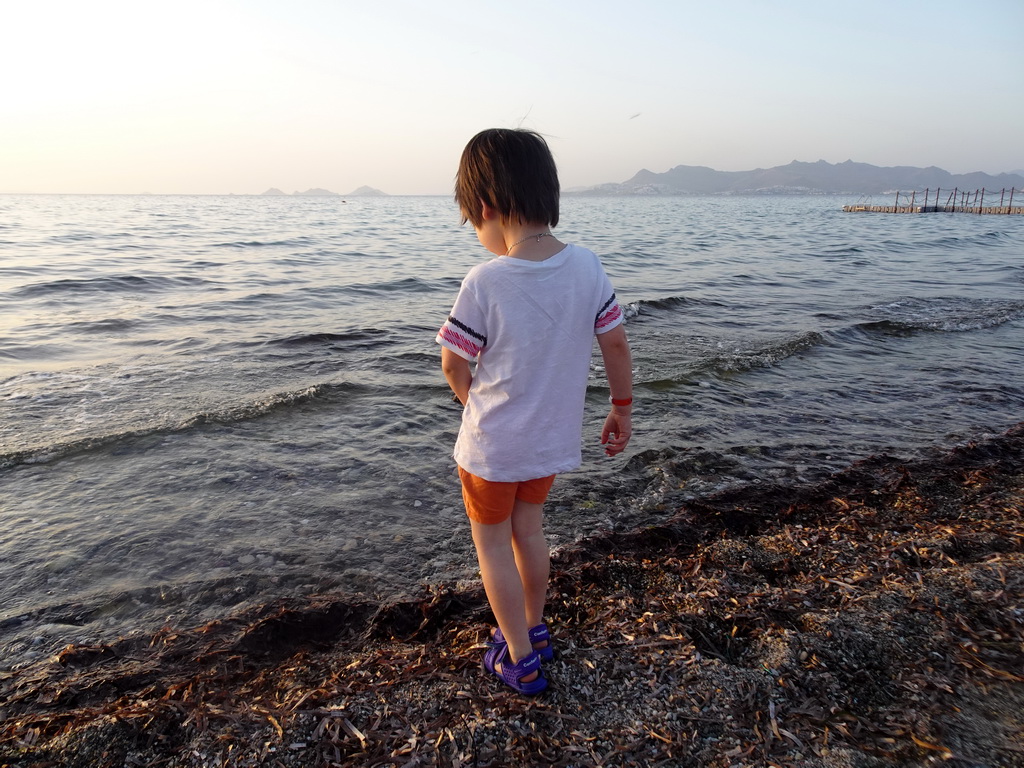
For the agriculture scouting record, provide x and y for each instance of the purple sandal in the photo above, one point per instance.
(512, 674)
(538, 634)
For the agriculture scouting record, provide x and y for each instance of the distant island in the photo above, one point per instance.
(317, 192)
(797, 178)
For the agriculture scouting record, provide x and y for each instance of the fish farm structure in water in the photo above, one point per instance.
(957, 201)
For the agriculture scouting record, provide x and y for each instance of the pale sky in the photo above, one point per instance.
(219, 96)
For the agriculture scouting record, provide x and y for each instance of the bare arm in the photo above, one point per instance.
(618, 364)
(456, 371)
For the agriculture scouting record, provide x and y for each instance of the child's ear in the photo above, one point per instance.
(487, 212)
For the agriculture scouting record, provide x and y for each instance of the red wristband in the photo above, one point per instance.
(624, 401)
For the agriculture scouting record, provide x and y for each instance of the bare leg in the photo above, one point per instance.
(533, 558)
(503, 585)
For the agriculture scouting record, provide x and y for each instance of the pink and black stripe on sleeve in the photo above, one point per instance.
(460, 336)
(609, 315)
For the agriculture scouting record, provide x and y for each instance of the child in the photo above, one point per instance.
(528, 317)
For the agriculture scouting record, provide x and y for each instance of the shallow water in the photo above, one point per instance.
(211, 401)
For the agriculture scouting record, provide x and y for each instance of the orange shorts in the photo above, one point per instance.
(489, 503)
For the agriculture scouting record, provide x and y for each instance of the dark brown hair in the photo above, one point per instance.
(513, 172)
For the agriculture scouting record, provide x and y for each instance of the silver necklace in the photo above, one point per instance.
(520, 242)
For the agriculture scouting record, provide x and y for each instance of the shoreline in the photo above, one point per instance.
(874, 618)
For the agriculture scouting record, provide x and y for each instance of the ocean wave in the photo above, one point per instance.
(15, 352)
(362, 339)
(403, 285)
(841, 250)
(761, 354)
(301, 241)
(719, 357)
(666, 304)
(60, 289)
(942, 314)
(975, 240)
(224, 415)
(991, 237)
(259, 407)
(106, 325)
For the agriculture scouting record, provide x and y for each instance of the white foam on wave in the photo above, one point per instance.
(947, 314)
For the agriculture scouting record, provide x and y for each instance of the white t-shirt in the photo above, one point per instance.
(531, 326)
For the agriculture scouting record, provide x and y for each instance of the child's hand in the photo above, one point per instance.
(618, 428)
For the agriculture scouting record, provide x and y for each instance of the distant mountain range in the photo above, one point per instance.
(317, 192)
(798, 178)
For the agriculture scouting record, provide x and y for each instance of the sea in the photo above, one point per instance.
(211, 403)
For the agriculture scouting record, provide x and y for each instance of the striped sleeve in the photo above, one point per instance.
(609, 316)
(465, 332)
(460, 338)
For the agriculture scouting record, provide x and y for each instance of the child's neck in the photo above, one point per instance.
(531, 242)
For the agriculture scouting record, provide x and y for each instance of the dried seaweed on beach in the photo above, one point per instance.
(872, 619)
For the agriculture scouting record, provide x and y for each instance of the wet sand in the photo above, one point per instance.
(875, 618)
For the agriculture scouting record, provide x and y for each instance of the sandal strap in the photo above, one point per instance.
(538, 634)
(514, 673)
